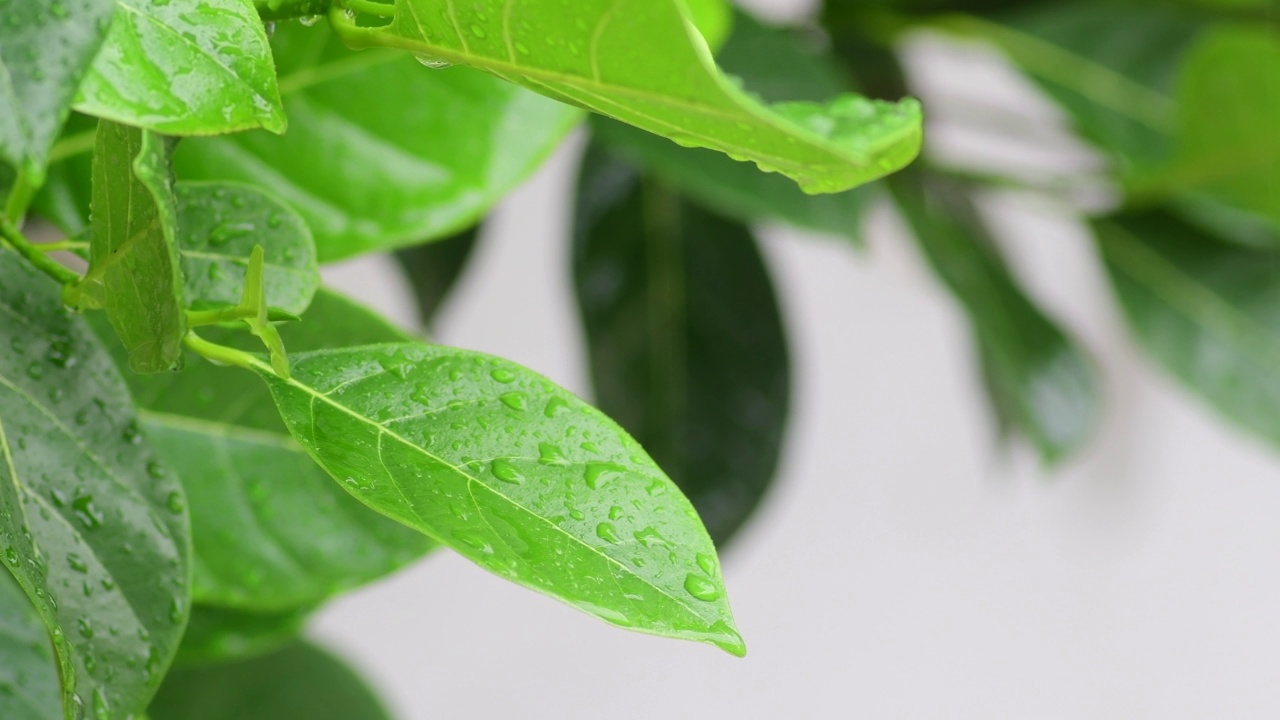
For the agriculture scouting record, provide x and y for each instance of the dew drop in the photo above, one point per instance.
(607, 532)
(707, 563)
(650, 537)
(505, 471)
(598, 474)
(549, 454)
(156, 470)
(555, 406)
(175, 503)
(309, 20)
(702, 588)
(515, 400)
(77, 563)
(85, 628)
(101, 708)
(503, 376)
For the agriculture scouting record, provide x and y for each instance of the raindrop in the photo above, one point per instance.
(650, 537)
(707, 563)
(175, 503)
(598, 474)
(702, 588)
(549, 454)
(309, 20)
(555, 406)
(101, 708)
(77, 563)
(607, 532)
(156, 470)
(503, 376)
(85, 628)
(505, 471)
(515, 400)
(430, 61)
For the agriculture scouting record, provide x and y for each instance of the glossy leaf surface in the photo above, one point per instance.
(272, 532)
(91, 523)
(1205, 310)
(514, 473)
(185, 68)
(133, 258)
(300, 682)
(372, 169)
(217, 635)
(1228, 139)
(219, 224)
(685, 338)
(1042, 384)
(644, 63)
(434, 269)
(781, 67)
(28, 671)
(46, 47)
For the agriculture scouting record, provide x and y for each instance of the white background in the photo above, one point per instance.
(905, 566)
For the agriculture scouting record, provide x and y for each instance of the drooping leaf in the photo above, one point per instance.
(272, 531)
(517, 475)
(434, 269)
(45, 49)
(644, 63)
(780, 66)
(300, 682)
(91, 524)
(382, 152)
(133, 258)
(1043, 385)
(219, 225)
(1205, 310)
(1228, 137)
(28, 671)
(183, 68)
(217, 635)
(685, 338)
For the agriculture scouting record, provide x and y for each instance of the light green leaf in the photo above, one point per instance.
(517, 475)
(45, 49)
(133, 261)
(217, 635)
(781, 67)
(28, 673)
(685, 338)
(184, 68)
(220, 223)
(91, 524)
(1228, 137)
(1042, 384)
(272, 531)
(713, 18)
(1208, 311)
(300, 682)
(644, 63)
(382, 152)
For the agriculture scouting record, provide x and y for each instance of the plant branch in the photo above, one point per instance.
(35, 255)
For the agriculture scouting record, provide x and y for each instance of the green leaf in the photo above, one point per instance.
(133, 261)
(685, 338)
(45, 49)
(642, 62)
(90, 523)
(1042, 384)
(185, 68)
(272, 531)
(781, 66)
(1228, 145)
(220, 223)
(434, 269)
(516, 474)
(28, 673)
(300, 682)
(217, 635)
(382, 152)
(1205, 310)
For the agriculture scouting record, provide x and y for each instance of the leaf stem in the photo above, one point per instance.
(35, 255)
(219, 354)
(20, 196)
(202, 318)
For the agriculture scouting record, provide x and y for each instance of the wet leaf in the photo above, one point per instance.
(643, 62)
(28, 671)
(184, 68)
(515, 474)
(91, 523)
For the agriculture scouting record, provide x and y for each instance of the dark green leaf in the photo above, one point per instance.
(45, 49)
(781, 66)
(133, 259)
(272, 532)
(1228, 139)
(90, 524)
(686, 342)
(434, 269)
(642, 62)
(1209, 312)
(382, 152)
(219, 225)
(1042, 384)
(184, 68)
(516, 474)
(220, 635)
(28, 671)
(300, 682)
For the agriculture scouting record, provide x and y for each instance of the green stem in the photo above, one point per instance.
(35, 255)
(271, 10)
(20, 197)
(220, 354)
(63, 246)
(201, 318)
